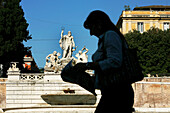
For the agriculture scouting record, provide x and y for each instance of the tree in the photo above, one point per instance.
(13, 31)
(153, 49)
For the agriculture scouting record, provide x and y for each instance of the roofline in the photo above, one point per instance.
(141, 18)
(152, 7)
(146, 18)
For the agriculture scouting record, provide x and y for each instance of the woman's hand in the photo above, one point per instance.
(80, 67)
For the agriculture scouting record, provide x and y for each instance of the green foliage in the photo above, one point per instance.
(153, 49)
(13, 31)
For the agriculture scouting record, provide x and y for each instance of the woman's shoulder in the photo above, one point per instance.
(111, 32)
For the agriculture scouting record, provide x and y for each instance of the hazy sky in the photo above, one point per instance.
(47, 17)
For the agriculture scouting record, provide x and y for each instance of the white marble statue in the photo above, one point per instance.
(13, 67)
(1, 67)
(82, 56)
(67, 44)
(52, 60)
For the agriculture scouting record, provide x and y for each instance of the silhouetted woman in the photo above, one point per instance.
(108, 56)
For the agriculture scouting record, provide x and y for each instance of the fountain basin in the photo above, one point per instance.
(69, 99)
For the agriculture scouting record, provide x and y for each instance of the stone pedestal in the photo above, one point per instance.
(13, 75)
(13, 72)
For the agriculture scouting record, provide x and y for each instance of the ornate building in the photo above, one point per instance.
(143, 18)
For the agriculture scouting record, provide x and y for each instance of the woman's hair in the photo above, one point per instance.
(99, 17)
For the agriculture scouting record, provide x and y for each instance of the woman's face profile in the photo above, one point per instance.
(95, 30)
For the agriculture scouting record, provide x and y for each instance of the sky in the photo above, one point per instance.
(46, 18)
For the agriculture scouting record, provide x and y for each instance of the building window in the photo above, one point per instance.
(140, 27)
(166, 26)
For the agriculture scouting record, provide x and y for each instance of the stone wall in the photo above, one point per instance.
(156, 79)
(3, 92)
(152, 94)
(27, 91)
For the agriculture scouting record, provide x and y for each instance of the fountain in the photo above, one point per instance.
(54, 64)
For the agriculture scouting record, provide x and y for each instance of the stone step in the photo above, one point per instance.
(74, 109)
(53, 109)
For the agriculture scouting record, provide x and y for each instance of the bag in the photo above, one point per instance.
(83, 79)
(131, 68)
(130, 71)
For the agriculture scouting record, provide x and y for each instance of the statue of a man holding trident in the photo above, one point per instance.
(67, 44)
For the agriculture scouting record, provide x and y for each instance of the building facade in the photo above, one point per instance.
(144, 18)
(29, 63)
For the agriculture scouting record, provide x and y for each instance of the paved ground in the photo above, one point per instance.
(153, 110)
(75, 109)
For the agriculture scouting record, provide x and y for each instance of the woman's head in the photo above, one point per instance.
(99, 22)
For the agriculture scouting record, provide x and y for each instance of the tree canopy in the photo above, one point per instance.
(153, 49)
(13, 31)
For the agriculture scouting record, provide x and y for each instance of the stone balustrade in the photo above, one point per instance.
(31, 76)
